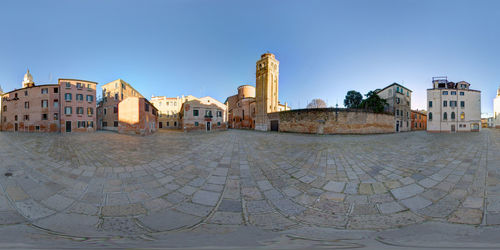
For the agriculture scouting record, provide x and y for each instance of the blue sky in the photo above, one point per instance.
(325, 48)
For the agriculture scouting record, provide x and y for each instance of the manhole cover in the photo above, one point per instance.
(8, 174)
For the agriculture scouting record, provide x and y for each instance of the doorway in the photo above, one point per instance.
(161, 125)
(397, 126)
(208, 126)
(68, 126)
(452, 128)
(16, 127)
(275, 125)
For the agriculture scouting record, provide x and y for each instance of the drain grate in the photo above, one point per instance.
(8, 174)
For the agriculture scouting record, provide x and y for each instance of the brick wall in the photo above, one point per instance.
(333, 121)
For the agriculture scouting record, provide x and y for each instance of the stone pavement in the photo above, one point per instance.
(108, 185)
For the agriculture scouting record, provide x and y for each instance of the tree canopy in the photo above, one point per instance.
(373, 102)
(316, 103)
(353, 99)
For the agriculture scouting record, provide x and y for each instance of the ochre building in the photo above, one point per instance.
(68, 106)
(418, 120)
(112, 94)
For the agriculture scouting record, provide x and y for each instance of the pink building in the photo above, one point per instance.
(68, 106)
(136, 115)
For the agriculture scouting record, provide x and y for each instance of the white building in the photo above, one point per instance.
(398, 99)
(496, 110)
(453, 107)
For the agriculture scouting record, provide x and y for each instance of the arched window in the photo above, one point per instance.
(462, 116)
(430, 115)
(453, 115)
(445, 116)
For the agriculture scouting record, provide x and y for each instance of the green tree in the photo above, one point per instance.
(353, 99)
(373, 102)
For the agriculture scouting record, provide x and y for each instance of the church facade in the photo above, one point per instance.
(249, 108)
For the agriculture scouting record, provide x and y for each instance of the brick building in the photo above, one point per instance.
(249, 108)
(112, 94)
(136, 115)
(204, 114)
(68, 106)
(418, 120)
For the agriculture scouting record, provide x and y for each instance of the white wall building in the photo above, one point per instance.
(453, 107)
(496, 110)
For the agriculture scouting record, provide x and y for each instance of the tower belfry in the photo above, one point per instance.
(266, 92)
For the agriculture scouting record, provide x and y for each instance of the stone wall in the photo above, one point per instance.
(333, 121)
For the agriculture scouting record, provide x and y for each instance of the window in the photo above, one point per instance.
(146, 107)
(56, 116)
(79, 110)
(453, 115)
(26, 105)
(90, 124)
(104, 110)
(218, 123)
(408, 93)
(81, 124)
(68, 85)
(415, 124)
(45, 103)
(453, 92)
(445, 116)
(88, 87)
(56, 90)
(453, 103)
(79, 97)
(15, 118)
(78, 85)
(90, 111)
(462, 116)
(56, 103)
(104, 124)
(208, 113)
(26, 117)
(175, 124)
(462, 104)
(398, 100)
(195, 113)
(115, 110)
(25, 93)
(122, 96)
(15, 95)
(37, 128)
(68, 110)
(196, 123)
(397, 112)
(397, 89)
(242, 115)
(45, 91)
(168, 124)
(445, 103)
(67, 97)
(90, 98)
(445, 92)
(115, 124)
(4, 108)
(219, 113)
(116, 96)
(462, 93)
(44, 117)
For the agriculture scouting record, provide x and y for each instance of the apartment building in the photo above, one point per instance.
(453, 107)
(68, 106)
(169, 110)
(136, 115)
(204, 114)
(112, 94)
(398, 99)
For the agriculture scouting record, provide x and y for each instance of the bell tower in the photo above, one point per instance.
(266, 92)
